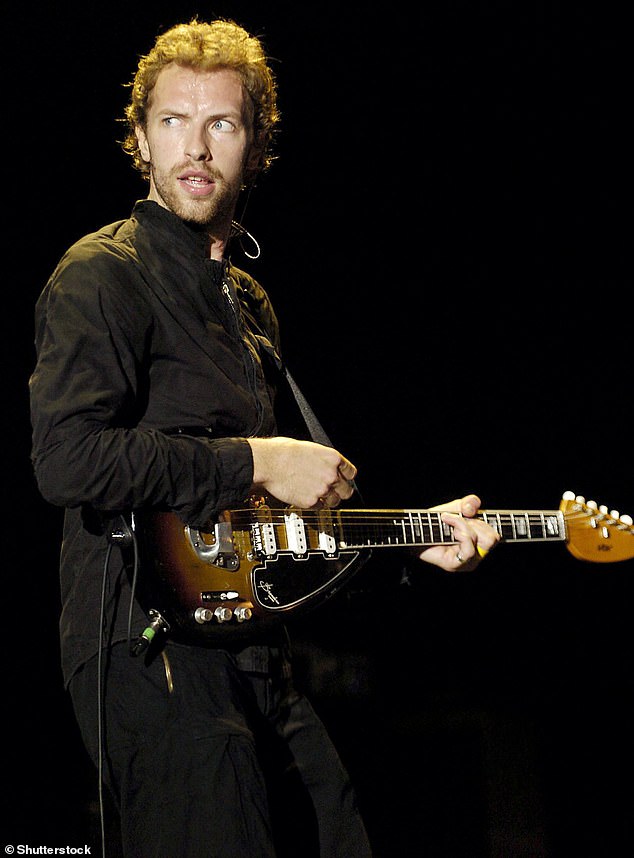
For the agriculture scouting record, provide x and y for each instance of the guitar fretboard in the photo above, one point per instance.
(426, 527)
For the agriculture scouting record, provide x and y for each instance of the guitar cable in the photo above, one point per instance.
(157, 622)
(124, 536)
(100, 689)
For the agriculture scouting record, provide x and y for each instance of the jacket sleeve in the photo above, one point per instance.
(86, 396)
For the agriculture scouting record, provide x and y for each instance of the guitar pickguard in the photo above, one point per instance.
(217, 584)
(286, 582)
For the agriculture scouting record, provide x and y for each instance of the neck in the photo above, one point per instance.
(217, 228)
(217, 245)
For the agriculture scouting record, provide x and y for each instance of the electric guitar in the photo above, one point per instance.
(261, 562)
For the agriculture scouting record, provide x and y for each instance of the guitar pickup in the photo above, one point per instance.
(326, 538)
(295, 533)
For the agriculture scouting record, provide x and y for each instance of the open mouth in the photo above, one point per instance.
(197, 184)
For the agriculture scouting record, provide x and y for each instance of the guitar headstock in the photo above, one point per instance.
(596, 533)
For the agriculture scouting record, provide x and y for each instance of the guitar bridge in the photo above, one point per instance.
(220, 551)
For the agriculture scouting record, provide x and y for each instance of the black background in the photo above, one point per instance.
(445, 237)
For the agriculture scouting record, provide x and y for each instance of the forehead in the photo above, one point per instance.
(219, 89)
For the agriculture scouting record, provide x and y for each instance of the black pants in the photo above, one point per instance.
(208, 760)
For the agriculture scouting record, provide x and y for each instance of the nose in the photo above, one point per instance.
(196, 145)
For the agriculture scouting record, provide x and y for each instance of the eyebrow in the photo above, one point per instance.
(217, 114)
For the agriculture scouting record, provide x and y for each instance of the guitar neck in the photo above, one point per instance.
(423, 528)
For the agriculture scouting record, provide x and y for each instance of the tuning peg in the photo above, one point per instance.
(568, 496)
(603, 509)
(614, 513)
(580, 499)
(592, 504)
(627, 519)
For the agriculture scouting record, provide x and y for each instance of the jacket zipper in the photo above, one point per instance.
(253, 374)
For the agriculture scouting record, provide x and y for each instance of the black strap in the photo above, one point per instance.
(317, 431)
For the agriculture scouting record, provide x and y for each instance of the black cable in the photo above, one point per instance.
(135, 575)
(121, 536)
(100, 681)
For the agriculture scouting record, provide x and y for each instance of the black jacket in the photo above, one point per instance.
(151, 371)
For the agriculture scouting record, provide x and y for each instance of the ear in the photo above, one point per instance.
(144, 149)
(254, 158)
(252, 165)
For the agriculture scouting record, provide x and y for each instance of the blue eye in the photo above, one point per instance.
(222, 125)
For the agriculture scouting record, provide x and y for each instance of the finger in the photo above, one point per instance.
(486, 544)
(345, 489)
(465, 556)
(331, 500)
(469, 505)
(347, 469)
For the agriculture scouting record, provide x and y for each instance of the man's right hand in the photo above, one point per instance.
(301, 473)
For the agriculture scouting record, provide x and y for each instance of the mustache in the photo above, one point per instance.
(210, 172)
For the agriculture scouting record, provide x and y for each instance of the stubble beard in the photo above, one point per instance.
(214, 210)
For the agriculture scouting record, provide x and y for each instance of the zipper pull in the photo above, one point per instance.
(227, 293)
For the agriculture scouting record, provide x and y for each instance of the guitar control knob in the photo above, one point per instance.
(223, 615)
(203, 615)
(242, 613)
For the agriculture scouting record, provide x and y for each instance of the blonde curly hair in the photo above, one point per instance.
(207, 46)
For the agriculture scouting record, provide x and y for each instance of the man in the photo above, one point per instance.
(155, 390)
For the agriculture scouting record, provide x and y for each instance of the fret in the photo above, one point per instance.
(423, 527)
(527, 526)
(418, 528)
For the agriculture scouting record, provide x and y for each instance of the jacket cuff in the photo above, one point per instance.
(232, 471)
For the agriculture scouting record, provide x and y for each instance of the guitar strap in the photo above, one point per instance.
(317, 431)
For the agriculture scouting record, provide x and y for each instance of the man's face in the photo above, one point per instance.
(198, 141)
